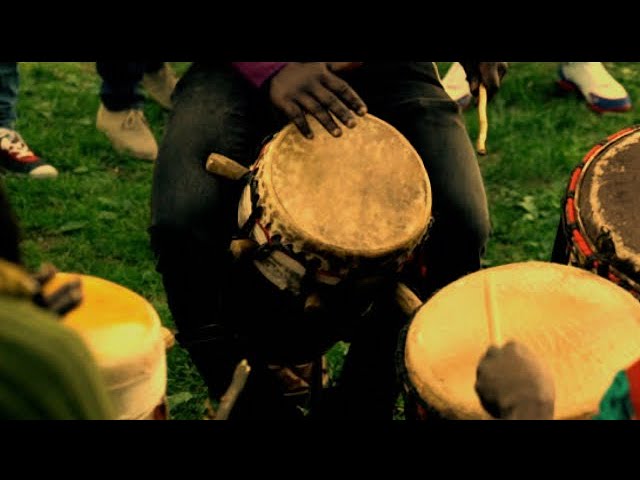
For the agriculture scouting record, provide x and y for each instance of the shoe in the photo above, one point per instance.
(160, 85)
(128, 131)
(601, 91)
(17, 157)
(456, 85)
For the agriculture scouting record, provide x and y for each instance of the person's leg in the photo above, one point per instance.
(120, 114)
(15, 154)
(223, 314)
(120, 88)
(410, 97)
(9, 82)
(159, 81)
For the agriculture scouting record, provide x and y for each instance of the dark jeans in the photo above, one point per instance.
(120, 89)
(194, 215)
(9, 83)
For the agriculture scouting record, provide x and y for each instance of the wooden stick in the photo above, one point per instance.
(483, 121)
(491, 310)
(408, 301)
(228, 400)
(225, 167)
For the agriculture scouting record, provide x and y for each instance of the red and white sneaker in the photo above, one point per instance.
(602, 92)
(17, 157)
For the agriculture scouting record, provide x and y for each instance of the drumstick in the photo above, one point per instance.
(491, 310)
(483, 122)
(228, 400)
(408, 301)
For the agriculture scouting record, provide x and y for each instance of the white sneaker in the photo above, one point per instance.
(17, 157)
(456, 85)
(602, 92)
(128, 131)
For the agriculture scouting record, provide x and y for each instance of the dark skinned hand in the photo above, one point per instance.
(490, 74)
(62, 300)
(314, 88)
(512, 383)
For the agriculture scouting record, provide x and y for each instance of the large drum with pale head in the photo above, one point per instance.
(583, 327)
(329, 209)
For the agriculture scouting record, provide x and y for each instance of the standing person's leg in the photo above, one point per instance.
(15, 154)
(411, 98)
(159, 81)
(9, 84)
(120, 115)
(194, 214)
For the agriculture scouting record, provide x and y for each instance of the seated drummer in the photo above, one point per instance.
(224, 314)
(46, 371)
(513, 384)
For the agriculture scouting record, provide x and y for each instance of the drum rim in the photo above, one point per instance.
(319, 246)
(570, 207)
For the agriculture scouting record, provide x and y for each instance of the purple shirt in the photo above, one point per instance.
(257, 73)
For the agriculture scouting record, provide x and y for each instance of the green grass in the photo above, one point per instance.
(93, 217)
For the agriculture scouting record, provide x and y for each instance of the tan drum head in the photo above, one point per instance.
(365, 194)
(583, 327)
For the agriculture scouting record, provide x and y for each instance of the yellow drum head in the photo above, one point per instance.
(123, 332)
(583, 327)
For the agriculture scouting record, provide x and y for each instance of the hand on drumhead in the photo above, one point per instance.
(63, 299)
(490, 74)
(513, 384)
(312, 88)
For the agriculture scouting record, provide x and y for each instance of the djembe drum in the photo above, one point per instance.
(125, 336)
(330, 221)
(601, 212)
(583, 327)
(320, 212)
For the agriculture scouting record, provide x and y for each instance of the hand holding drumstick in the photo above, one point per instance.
(511, 382)
(484, 81)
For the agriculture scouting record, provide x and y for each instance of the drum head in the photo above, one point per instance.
(607, 197)
(110, 311)
(363, 194)
(584, 328)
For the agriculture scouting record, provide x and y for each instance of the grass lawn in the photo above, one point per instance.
(93, 217)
